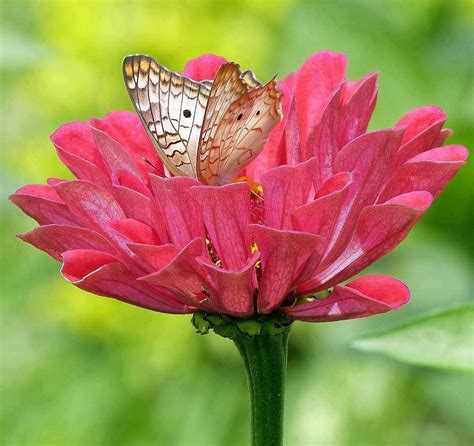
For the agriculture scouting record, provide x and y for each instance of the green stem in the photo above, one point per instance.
(264, 357)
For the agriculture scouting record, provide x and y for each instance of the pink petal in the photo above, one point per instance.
(83, 169)
(288, 258)
(319, 217)
(368, 158)
(425, 140)
(379, 230)
(56, 239)
(357, 109)
(322, 142)
(204, 67)
(76, 139)
(133, 231)
(43, 204)
(292, 136)
(180, 210)
(362, 297)
(90, 203)
(139, 207)
(115, 157)
(285, 188)
(183, 276)
(101, 274)
(419, 119)
(233, 290)
(126, 128)
(226, 215)
(318, 78)
(157, 257)
(442, 137)
(430, 171)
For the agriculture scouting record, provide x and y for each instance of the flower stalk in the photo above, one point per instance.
(262, 342)
(265, 359)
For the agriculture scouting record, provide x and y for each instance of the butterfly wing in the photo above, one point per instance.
(171, 108)
(241, 134)
(226, 88)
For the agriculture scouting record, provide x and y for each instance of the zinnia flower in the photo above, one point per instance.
(333, 198)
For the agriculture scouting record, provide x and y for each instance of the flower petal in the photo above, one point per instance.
(319, 217)
(180, 210)
(418, 120)
(126, 128)
(284, 189)
(133, 231)
(56, 239)
(379, 230)
(139, 207)
(204, 67)
(90, 203)
(288, 259)
(362, 297)
(233, 290)
(42, 203)
(101, 274)
(226, 215)
(358, 106)
(318, 78)
(183, 275)
(430, 171)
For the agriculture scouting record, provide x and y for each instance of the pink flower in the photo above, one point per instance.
(335, 199)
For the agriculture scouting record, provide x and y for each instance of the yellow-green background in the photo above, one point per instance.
(82, 370)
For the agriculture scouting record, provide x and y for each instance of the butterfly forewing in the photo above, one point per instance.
(171, 108)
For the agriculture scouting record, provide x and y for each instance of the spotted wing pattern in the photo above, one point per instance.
(171, 108)
(241, 134)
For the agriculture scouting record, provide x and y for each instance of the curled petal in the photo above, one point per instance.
(233, 290)
(226, 215)
(204, 67)
(157, 257)
(362, 297)
(56, 239)
(133, 231)
(102, 274)
(288, 259)
(430, 171)
(183, 275)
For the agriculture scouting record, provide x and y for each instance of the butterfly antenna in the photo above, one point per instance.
(154, 167)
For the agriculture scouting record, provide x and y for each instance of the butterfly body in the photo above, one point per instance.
(206, 130)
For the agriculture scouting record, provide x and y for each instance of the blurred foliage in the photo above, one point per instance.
(78, 369)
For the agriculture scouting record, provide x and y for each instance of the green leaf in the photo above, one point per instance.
(442, 340)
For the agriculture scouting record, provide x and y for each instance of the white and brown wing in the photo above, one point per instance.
(227, 87)
(171, 108)
(240, 134)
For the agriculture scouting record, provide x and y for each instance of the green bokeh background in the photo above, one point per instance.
(82, 370)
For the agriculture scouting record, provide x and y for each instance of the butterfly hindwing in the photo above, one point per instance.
(171, 108)
(241, 133)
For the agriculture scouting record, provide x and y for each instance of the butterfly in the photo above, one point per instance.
(209, 130)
